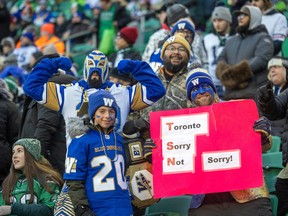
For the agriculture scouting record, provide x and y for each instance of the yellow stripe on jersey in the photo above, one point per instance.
(137, 102)
(52, 99)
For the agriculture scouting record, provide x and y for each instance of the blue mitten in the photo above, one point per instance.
(147, 149)
(126, 66)
(63, 63)
(263, 126)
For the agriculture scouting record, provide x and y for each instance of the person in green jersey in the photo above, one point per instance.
(32, 186)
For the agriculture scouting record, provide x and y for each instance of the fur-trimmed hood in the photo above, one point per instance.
(77, 126)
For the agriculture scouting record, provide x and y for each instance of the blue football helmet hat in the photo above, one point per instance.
(96, 61)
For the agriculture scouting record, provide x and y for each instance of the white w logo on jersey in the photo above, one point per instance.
(171, 39)
(181, 25)
(195, 82)
(108, 102)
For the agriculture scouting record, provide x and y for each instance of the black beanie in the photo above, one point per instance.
(176, 12)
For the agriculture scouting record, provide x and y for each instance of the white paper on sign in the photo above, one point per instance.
(221, 160)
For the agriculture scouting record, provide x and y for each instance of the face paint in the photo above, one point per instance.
(111, 117)
(201, 89)
(98, 116)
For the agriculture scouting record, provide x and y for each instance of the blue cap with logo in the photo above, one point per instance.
(195, 78)
(101, 98)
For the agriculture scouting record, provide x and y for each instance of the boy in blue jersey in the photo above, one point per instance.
(95, 163)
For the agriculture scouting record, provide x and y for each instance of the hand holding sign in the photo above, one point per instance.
(200, 145)
(263, 126)
(147, 149)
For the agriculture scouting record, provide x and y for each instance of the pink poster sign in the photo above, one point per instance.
(206, 149)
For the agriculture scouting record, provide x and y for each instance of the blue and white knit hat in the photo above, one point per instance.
(101, 98)
(196, 77)
(183, 24)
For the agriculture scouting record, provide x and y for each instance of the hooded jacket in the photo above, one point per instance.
(255, 46)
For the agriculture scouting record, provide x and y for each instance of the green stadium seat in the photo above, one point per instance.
(65, 8)
(276, 144)
(170, 206)
(274, 203)
(272, 165)
(79, 53)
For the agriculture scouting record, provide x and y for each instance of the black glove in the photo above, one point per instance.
(147, 149)
(265, 93)
(133, 128)
(263, 126)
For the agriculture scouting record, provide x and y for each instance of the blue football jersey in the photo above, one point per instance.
(100, 163)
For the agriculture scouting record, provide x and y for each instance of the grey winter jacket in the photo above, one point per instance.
(256, 46)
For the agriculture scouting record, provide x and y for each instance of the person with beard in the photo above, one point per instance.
(201, 91)
(72, 100)
(214, 42)
(175, 54)
(185, 27)
(242, 64)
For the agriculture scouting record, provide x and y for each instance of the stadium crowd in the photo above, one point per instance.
(78, 80)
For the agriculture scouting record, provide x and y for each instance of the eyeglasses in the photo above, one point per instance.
(173, 49)
(187, 33)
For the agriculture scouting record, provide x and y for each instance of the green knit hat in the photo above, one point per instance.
(12, 84)
(33, 146)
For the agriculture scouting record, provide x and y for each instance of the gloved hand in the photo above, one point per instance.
(126, 66)
(63, 63)
(263, 126)
(265, 93)
(133, 128)
(147, 149)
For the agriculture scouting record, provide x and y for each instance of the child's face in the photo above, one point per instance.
(105, 117)
(202, 95)
(18, 157)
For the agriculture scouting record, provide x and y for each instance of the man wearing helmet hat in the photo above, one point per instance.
(72, 99)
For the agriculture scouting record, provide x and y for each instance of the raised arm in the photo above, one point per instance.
(148, 90)
(38, 87)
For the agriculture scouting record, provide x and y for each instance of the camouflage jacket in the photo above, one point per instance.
(175, 97)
